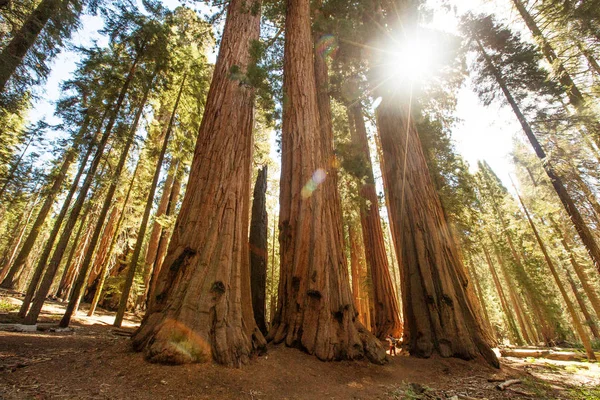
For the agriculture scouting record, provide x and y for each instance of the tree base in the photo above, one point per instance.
(172, 342)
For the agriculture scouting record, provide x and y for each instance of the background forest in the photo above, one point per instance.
(251, 172)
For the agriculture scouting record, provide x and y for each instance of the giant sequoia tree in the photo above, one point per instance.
(439, 315)
(201, 308)
(315, 307)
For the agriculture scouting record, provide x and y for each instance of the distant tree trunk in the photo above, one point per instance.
(146, 216)
(315, 308)
(472, 273)
(582, 306)
(439, 315)
(155, 234)
(578, 326)
(17, 266)
(579, 270)
(82, 275)
(15, 242)
(113, 241)
(49, 246)
(102, 254)
(359, 272)
(582, 229)
(165, 237)
(202, 306)
(273, 300)
(12, 55)
(78, 247)
(387, 312)
(514, 299)
(59, 250)
(503, 302)
(15, 167)
(73, 265)
(258, 250)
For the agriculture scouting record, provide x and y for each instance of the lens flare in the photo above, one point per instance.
(317, 178)
(327, 46)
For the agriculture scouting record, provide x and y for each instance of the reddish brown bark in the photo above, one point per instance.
(359, 276)
(439, 315)
(202, 306)
(387, 311)
(315, 307)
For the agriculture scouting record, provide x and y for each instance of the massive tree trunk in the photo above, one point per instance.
(315, 308)
(387, 311)
(202, 306)
(17, 266)
(439, 315)
(63, 241)
(14, 52)
(258, 250)
(570, 207)
(573, 313)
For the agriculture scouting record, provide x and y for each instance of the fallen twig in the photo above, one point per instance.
(504, 385)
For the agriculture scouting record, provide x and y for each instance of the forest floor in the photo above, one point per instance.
(95, 361)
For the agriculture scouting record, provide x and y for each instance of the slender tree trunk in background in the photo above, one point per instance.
(76, 264)
(582, 229)
(503, 302)
(13, 170)
(12, 55)
(359, 270)
(15, 242)
(387, 311)
(589, 320)
(202, 306)
(59, 250)
(258, 250)
(155, 235)
(593, 63)
(105, 265)
(137, 250)
(273, 300)
(78, 247)
(474, 278)
(81, 276)
(315, 307)
(576, 321)
(579, 270)
(49, 246)
(165, 237)
(17, 266)
(102, 255)
(439, 313)
(510, 284)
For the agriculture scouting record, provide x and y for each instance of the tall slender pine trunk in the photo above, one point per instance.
(21, 259)
(569, 205)
(63, 241)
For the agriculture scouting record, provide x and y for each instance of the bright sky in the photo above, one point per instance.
(484, 133)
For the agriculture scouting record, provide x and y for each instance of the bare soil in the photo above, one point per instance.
(95, 361)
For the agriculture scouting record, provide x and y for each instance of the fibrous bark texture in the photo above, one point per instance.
(439, 315)
(387, 311)
(202, 306)
(315, 307)
(258, 250)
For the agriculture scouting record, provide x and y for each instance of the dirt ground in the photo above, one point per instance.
(95, 361)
